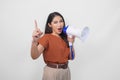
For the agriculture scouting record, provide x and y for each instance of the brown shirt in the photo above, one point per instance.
(56, 50)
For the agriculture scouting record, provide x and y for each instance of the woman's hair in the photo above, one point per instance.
(48, 29)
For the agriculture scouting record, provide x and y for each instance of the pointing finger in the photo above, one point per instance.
(36, 26)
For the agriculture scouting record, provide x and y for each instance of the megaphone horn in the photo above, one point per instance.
(82, 34)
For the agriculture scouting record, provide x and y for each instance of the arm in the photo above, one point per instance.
(72, 51)
(36, 49)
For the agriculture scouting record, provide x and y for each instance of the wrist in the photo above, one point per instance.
(35, 43)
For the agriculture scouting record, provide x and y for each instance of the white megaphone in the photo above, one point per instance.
(82, 34)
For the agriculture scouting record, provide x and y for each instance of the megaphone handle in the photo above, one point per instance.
(71, 48)
(71, 51)
(70, 43)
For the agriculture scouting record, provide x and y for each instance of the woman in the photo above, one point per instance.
(54, 46)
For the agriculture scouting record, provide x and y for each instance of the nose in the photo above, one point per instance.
(60, 24)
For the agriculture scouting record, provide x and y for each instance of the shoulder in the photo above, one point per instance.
(44, 40)
(46, 36)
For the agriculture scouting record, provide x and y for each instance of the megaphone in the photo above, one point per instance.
(82, 34)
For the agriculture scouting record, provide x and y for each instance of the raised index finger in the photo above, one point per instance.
(36, 26)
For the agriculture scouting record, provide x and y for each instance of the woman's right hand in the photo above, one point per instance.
(36, 49)
(36, 33)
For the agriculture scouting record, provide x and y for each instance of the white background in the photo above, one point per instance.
(96, 59)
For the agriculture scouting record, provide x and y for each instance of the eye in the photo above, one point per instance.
(55, 22)
(61, 20)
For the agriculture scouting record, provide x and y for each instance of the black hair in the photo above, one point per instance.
(48, 29)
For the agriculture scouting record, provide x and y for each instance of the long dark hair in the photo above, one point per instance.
(48, 29)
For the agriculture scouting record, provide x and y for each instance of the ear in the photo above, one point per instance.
(49, 24)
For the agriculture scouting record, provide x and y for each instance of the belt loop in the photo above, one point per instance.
(57, 66)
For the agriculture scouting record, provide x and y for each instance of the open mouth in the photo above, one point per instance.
(60, 29)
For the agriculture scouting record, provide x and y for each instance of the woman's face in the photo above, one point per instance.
(57, 25)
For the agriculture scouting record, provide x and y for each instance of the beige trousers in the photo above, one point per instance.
(56, 74)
